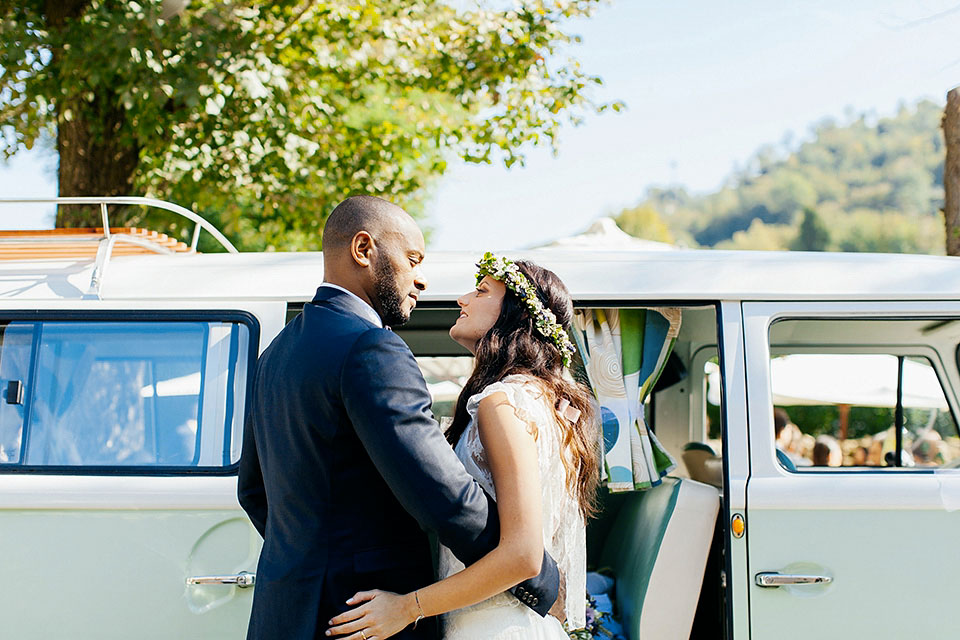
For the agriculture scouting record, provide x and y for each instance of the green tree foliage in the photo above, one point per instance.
(759, 236)
(265, 114)
(813, 235)
(645, 222)
(875, 186)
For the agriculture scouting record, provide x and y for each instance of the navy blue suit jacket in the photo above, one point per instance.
(342, 469)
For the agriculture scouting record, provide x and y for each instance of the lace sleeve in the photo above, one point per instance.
(518, 396)
(470, 448)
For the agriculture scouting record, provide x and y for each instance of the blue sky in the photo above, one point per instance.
(705, 85)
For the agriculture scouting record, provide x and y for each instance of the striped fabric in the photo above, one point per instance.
(624, 351)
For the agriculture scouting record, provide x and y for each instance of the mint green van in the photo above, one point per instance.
(125, 360)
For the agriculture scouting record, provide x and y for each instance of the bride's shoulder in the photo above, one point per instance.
(525, 393)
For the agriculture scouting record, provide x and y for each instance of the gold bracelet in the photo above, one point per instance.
(416, 597)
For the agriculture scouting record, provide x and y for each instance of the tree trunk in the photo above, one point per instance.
(951, 171)
(93, 160)
(93, 165)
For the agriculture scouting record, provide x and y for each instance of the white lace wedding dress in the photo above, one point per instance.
(503, 617)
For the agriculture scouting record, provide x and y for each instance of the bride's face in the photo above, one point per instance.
(479, 311)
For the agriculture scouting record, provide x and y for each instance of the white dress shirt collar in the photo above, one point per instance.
(370, 314)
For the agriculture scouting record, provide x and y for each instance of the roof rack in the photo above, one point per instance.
(107, 237)
(82, 242)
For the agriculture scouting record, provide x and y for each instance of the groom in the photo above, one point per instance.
(342, 460)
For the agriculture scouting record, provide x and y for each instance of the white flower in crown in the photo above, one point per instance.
(509, 274)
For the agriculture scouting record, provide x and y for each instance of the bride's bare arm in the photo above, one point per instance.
(511, 453)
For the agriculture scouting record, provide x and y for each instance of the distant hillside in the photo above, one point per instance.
(866, 186)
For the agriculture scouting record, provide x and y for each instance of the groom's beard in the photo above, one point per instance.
(389, 297)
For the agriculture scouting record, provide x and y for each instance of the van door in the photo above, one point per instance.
(120, 433)
(864, 544)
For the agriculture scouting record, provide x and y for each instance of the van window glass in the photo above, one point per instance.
(130, 394)
(445, 377)
(16, 342)
(839, 395)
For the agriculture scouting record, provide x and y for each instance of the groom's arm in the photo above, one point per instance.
(386, 398)
(250, 490)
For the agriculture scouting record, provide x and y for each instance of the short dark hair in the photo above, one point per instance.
(355, 214)
(822, 448)
(780, 419)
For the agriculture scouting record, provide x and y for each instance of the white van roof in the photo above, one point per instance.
(590, 276)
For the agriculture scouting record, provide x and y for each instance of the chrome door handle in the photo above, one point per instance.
(243, 579)
(774, 579)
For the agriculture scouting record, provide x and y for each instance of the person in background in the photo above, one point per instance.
(784, 431)
(827, 452)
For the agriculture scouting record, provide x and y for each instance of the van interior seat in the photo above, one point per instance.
(702, 464)
(657, 550)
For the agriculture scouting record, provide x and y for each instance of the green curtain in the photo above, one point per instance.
(624, 351)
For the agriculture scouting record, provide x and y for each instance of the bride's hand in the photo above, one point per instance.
(381, 615)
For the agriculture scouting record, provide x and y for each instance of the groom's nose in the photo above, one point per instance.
(419, 280)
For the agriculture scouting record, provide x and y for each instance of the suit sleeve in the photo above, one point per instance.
(250, 489)
(387, 401)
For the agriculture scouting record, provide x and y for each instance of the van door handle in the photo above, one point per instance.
(243, 579)
(774, 579)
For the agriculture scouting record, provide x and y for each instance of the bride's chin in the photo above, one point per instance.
(466, 344)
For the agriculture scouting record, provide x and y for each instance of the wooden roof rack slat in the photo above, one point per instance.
(101, 242)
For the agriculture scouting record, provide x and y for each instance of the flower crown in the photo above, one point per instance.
(509, 274)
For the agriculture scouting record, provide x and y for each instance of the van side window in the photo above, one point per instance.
(98, 395)
(445, 377)
(842, 389)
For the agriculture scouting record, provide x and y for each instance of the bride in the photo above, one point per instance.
(527, 434)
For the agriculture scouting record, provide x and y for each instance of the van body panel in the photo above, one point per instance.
(885, 537)
(120, 572)
(107, 551)
(736, 463)
(687, 275)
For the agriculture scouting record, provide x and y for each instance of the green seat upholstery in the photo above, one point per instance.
(699, 446)
(657, 549)
(702, 464)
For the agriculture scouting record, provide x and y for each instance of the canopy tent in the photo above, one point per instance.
(866, 380)
(605, 234)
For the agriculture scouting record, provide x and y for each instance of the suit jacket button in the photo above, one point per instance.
(535, 601)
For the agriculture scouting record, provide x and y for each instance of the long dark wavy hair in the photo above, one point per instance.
(514, 346)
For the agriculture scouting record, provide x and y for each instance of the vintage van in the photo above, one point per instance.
(125, 359)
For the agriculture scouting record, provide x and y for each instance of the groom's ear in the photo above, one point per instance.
(362, 248)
